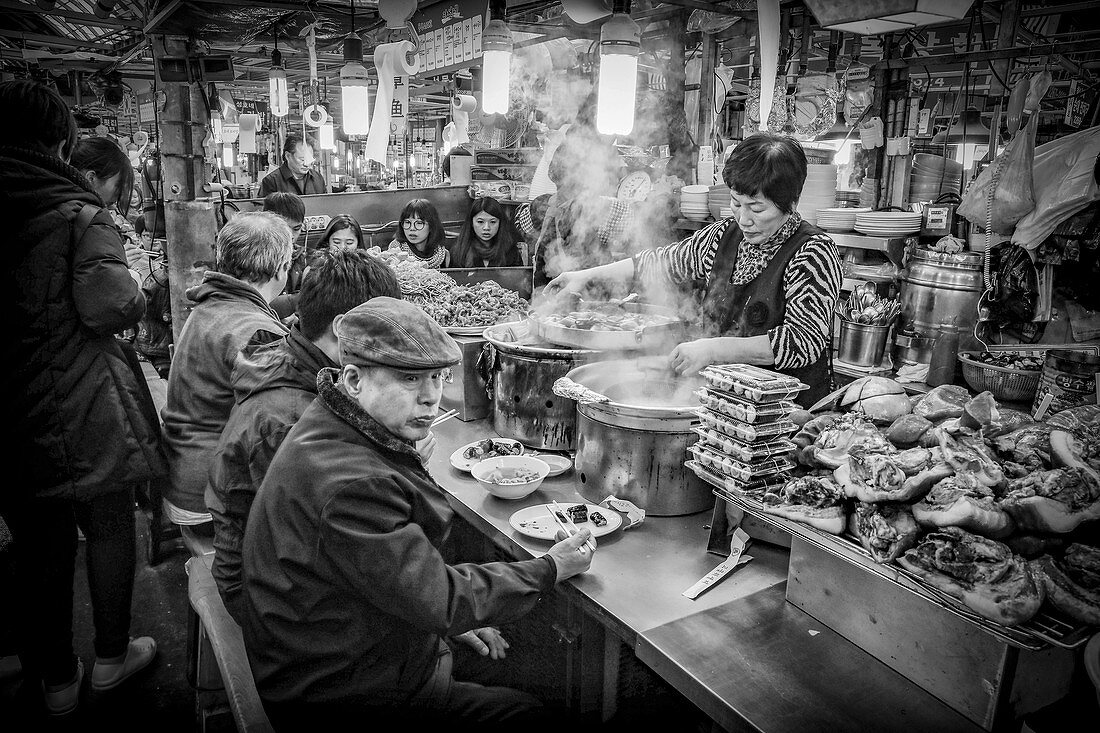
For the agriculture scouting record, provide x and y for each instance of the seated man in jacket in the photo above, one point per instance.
(273, 386)
(346, 594)
(231, 312)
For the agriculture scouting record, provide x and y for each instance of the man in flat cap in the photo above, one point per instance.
(347, 597)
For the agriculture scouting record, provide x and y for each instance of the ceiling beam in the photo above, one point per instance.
(1034, 38)
(40, 39)
(81, 18)
(1057, 9)
(161, 16)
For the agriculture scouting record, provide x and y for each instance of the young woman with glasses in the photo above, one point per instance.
(420, 233)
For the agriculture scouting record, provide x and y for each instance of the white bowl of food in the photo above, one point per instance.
(510, 477)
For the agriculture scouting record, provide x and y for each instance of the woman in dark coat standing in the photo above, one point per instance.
(82, 441)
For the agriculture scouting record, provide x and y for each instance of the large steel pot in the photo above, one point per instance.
(940, 287)
(634, 445)
(521, 378)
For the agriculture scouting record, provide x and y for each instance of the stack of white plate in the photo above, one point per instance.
(932, 176)
(837, 219)
(819, 191)
(718, 201)
(693, 202)
(888, 223)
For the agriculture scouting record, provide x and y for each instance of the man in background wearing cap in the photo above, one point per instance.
(346, 594)
(273, 386)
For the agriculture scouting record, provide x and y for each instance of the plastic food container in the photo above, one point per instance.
(752, 383)
(745, 432)
(754, 489)
(743, 410)
(729, 466)
(744, 452)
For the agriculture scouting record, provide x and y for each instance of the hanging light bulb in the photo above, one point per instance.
(354, 92)
(327, 136)
(620, 43)
(276, 84)
(496, 63)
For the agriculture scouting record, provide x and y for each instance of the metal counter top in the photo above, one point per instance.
(637, 575)
(761, 664)
(740, 652)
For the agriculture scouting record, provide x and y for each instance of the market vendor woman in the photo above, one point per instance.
(766, 281)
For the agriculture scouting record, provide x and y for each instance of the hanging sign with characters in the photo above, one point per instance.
(450, 35)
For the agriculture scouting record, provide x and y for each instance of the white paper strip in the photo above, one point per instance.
(390, 107)
(738, 543)
(768, 28)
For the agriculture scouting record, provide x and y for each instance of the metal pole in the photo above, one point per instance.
(190, 225)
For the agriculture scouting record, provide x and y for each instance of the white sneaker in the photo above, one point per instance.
(139, 654)
(64, 700)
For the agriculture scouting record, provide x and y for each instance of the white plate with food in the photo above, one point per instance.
(558, 464)
(536, 521)
(471, 454)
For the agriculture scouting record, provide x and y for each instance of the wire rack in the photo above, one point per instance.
(1048, 627)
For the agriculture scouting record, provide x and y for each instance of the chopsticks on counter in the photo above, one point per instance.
(572, 529)
(444, 417)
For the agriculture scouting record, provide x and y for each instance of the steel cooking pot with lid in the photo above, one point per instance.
(520, 379)
(633, 442)
(938, 288)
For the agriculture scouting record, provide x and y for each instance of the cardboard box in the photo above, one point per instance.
(466, 390)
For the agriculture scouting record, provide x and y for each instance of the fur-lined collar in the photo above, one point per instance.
(348, 410)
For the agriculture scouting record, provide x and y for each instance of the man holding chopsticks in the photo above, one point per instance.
(347, 596)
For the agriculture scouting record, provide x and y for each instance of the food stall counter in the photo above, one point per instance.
(740, 652)
(637, 575)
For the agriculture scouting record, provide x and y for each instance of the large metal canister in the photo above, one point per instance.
(635, 444)
(938, 288)
(1068, 380)
(522, 375)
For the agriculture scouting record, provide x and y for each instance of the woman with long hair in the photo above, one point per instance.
(420, 233)
(343, 232)
(488, 238)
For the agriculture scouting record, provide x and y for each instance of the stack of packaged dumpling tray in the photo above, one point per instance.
(745, 428)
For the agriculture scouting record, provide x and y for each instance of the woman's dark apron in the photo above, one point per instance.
(759, 305)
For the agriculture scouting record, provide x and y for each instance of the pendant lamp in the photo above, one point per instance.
(496, 62)
(354, 89)
(278, 97)
(620, 43)
(968, 128)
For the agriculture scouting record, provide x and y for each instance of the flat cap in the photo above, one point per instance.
(394, 333)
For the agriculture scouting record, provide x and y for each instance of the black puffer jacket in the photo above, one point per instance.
(80, 430)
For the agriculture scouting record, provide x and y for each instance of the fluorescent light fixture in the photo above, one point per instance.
(354, 89)
(278, 97)
(496, 67)
(620, 43)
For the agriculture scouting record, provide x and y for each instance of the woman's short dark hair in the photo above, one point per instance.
(447, 159)
(287, 205)
(344, 221)
(37, 118)
(426, 211)
(463, 254)
(337, 282)
(769, 165)
(104, 157)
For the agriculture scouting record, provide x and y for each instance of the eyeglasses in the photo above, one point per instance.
(415, 225)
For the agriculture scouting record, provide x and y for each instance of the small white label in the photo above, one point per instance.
(738, 543)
